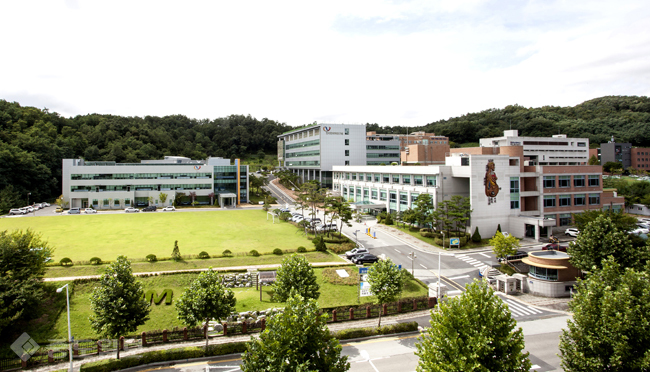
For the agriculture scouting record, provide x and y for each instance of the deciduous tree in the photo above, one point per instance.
(118, 303)
(386, 282)
(504, 246)
(610, 327)
(296, 339)
(205, 299)
(295, 274)
(472, 332)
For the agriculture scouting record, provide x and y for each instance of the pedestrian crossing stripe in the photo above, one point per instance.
(517, 309)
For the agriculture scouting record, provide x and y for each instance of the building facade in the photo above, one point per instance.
(616, 152)
(312, 151)
(424, 148)
(110, 185)
(640, 158)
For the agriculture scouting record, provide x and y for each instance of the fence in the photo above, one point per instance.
(56, 353)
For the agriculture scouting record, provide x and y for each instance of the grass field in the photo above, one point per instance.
(81, 237)
(53, 325)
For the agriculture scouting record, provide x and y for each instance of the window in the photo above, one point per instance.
(565, 181)
(514, 204)
(347, 131)
(105, 203)
(368, 177)
(403, 198)
(396, 178)
(549, 182)
(582, 144)
(414, 197)
(360, 176)
(579, 181)
(514, 185)
(373, 194)
(366, 194)
(565, 200)
(549, 201)
(464, 161)
(354, 176)
(543, 273)
(431, 181)
(347, 152)
(417, 180)
(594, 199)
(385, 178)
(594, 180)
(347, 162)
(347, 176)
(376, 176)
(406, 179)
(565, 219)
(579, 199)
(393, 197)
(347, 142)
(382, 195)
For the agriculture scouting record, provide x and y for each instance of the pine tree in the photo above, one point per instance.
(176, 253)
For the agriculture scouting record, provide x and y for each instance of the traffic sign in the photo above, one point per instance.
(363, 270)
(364, 289)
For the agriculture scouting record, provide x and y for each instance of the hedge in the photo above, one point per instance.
(347, 334)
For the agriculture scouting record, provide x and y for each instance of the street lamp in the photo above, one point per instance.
(412, 256)
(67, 297)
(357, 237)
(28, 194)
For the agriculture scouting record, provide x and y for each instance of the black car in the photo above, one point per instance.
(365, 258)
(151, 208)
(517, 256)
(554, 247)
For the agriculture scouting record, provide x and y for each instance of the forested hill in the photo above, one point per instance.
(625, 118)
(33, 142)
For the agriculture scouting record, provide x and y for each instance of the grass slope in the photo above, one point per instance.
(81, 237)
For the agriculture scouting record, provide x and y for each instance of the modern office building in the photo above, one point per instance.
(616, 152)
(423, 148)
(110, 185)
(313, 150)
(556, 150)
(640, 158)
(526, 200)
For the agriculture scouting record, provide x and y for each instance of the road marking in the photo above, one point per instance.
(459, 277)
(535, 366)
(453, 292)
(486, 255)
(397, 250)
(426, 268)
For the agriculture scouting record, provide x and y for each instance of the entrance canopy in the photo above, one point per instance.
(367, 205)
(228, 195)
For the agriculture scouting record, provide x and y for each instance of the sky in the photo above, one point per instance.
(405, 63)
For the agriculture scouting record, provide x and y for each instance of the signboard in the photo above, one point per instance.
(454, 242)
(364, 289)
(363, 270)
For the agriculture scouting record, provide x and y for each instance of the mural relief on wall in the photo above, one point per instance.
(490, 182)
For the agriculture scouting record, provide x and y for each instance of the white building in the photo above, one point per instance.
(110, 185)
(312, 151)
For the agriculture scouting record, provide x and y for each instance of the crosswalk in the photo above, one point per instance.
(517, 309)
(471, 260)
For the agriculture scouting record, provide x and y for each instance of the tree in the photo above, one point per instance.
(612, 166)
(118, 303)
(176, 252)
(601, 239)
(62, 202)
(150, 200)
(297, 339)
(205, 299)
(23, 256)
(504, 246)
(178, 198)
(295, 274)
(472, 332)
(423, 209)
(211, 196)
(386, 282)
(340, 210)
(620, 220)
(593, 160)
(476, 237)
(163, 198)
(610, 327)
(319, 243)
(192, 196)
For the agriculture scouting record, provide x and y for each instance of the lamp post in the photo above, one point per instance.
(412, 256)
(67, 298)
(28, 194)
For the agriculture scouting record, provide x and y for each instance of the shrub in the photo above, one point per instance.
(437, 241)
(65, 261)
(426, 229)
(95, 261)
(152, 258)
(203, 255)
(428, 234)
(277, 251)
(347, 334)
(226, 253)
(498, 229)
(389, 220)
(463, 240)
(319, 242)
(176, 253)
(341, 248)
(254, 253)
(476, 238)
(302, 249)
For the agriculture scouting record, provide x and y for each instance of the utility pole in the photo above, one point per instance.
(412, 256)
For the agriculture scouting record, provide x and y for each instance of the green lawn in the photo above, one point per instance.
(81, 237)
(164, 316)
(416, 234)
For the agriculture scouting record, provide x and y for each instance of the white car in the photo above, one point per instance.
(640, 230)
(355, 252)
(131, 210)
(169, 209)
(89, 210)
(16, 211)
(571, 231)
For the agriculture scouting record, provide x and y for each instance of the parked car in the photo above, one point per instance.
(282, 210)
(297, 218)
(58, 210)
(169, 209)
(74, 211)
(326, 227)
(517, 256)
(313, 221)
(554, 247)
(45, 204)
(151, 208)
(356, 251)
(640, 230)
(16, 211)
(89, 211)
(571, 231)
(29, 208)
(131, 210)
(365, 258)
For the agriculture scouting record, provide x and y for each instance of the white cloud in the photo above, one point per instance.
(394, 63)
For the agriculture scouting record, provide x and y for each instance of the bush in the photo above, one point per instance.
(254, 253)
(203, 255)
(437, 241)
(389, 220)
(341, 248)
(226, 253)
(320, 244)
(176, 253)
(152, 258)
(427, 234)
(277, 251)
(347, 334)
(302, 249)
(65, 261)
(463, 240)
(476, 238)
(426, 229)
(95, 261)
